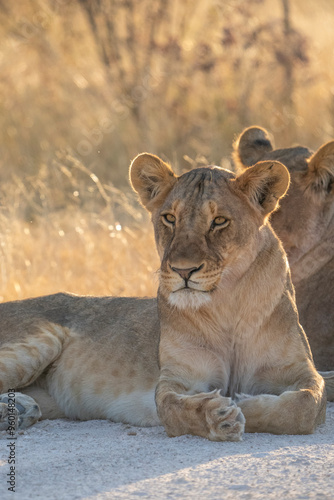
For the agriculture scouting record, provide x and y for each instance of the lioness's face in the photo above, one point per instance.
(201, 230)
(207, 222)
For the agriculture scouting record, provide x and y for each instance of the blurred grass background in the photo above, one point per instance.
(88, 84)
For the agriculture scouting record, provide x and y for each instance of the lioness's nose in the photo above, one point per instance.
(186, 273)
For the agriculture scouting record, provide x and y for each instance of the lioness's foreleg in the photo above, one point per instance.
(204, 414)
(21, 363)
(292, 412)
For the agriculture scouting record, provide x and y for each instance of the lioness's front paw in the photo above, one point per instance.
(18, 411)
(225, 419)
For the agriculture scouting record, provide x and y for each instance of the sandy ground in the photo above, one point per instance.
(62, 459)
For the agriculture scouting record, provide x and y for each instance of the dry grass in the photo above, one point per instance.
(75, 234)
(85, 258)
(112, 78)
(108, 79)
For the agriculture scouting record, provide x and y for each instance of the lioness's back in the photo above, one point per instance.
(81, 314)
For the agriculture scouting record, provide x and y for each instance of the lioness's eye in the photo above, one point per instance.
(170, 218)
(219, 222)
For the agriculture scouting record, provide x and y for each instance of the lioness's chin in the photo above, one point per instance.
(188, 299)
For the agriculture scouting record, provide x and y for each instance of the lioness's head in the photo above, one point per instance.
(208, 222)
(307, 211)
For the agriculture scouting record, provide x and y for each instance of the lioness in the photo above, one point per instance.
(224, 354)
(305, 224)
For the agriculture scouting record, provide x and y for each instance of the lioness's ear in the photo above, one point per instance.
(151, 178)
(320, 174)
(251, 145)
(264, 184)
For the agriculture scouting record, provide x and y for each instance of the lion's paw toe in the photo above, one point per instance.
(229, 423)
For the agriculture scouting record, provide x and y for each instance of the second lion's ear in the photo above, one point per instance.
(319, 180)
(152, 179)
(251, 145)
(264, 184)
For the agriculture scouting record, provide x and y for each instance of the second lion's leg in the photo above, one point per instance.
(21, 363)
(46, 403)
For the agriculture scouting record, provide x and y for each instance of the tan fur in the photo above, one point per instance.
(222, 349)
(305, 224)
